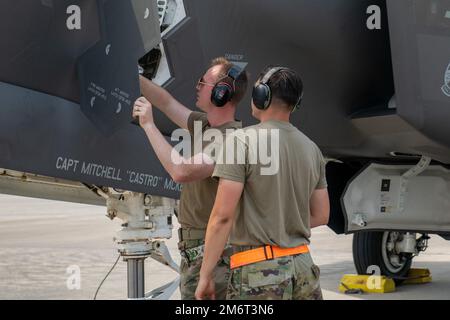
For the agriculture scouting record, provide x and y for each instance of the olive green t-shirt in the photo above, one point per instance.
(274, 207)
(197, 198)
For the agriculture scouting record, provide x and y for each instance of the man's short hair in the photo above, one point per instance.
(240, 83)
(285, 85)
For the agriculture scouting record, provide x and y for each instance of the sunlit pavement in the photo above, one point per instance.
(43, 241)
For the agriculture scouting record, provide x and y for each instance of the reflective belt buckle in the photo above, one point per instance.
(267, 252)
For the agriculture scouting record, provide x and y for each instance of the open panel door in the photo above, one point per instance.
(68, 81)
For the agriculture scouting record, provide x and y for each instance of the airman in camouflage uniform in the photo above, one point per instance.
(193, 213)
(199, 189)
(276, 208)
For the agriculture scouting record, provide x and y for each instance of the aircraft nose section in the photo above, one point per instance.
(107, 71)
(44, 42)
(81, 50)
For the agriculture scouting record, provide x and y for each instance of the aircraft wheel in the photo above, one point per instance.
(379, 249)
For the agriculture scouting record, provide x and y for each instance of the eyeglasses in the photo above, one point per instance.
(201, 82)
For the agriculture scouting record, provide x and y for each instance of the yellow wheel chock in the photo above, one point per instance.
(356, 284)
(352, 283)
(418, 276)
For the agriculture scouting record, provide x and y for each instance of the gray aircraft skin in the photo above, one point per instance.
(371, 95)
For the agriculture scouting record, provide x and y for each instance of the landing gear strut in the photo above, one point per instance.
(146, 220)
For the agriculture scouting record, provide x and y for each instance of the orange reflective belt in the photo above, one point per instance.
(264, 253)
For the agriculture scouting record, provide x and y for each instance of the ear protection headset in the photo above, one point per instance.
(223, 91)
(262, 94)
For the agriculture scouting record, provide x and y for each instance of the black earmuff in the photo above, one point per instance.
(224, 90)
(262, 94)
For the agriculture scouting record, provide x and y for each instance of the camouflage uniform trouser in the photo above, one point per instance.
(190, 273)
(286, 278)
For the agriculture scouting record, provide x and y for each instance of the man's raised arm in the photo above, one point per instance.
(180, 169)
(164, 101)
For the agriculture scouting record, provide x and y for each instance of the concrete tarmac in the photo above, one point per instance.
(42, 241)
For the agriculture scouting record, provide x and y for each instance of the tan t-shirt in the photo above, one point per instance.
(274, 208)
(197, 198)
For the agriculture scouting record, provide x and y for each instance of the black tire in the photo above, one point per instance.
(368, 251)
